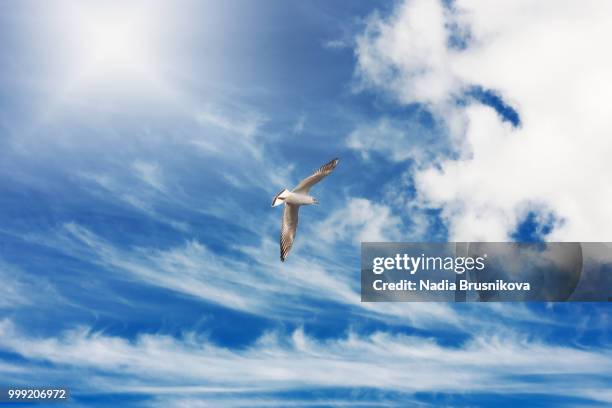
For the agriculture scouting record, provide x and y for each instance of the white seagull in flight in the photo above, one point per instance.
(292, 200)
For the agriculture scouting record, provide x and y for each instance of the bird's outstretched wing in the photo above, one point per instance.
(304, 186)
(288, 229)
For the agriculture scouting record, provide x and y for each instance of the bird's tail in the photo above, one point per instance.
(280, 197)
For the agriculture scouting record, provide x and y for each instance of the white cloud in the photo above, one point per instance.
(193, 269)
(117, 187)
(382, 137)
(236, 402)
(407, 53)
(255, 282)
(190, 269)
(159, 363)
(360, 220)
(547, 59)
(17, 288)
(243, 123)
(299, 124)
(397, 140)
(230, 135)
(336, 44)
(149, 173)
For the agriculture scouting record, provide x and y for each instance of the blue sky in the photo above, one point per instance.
(141, 145)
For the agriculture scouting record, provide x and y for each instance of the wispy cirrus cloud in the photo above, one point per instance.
(17, 288)
(149, 173)
(254, 283)
(299, 125)
(238, 127)
(121, 187)
(159, 364)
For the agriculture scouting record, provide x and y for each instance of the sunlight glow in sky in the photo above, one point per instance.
(106, 46)
(111, 41)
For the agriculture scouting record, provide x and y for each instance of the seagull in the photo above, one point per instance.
(293, 200)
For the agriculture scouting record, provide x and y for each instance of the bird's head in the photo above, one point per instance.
(280, 197)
